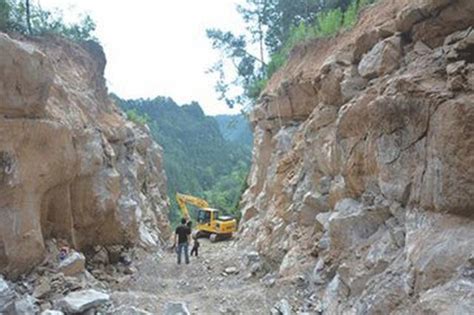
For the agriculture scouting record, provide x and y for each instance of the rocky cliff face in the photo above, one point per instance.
(71, 166)
(363, 168)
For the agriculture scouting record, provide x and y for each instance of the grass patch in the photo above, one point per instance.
(328, 23)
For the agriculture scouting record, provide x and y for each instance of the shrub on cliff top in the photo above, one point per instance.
(140, 119)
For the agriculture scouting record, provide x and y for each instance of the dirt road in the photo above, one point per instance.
(203, 285)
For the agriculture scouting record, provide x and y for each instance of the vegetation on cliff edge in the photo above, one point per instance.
(29, 18)
(274, 28)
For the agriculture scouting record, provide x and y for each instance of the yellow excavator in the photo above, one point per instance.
(209, 222)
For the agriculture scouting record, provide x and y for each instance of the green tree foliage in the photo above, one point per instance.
(274, 27)
(4, 14)
(198, 160)
(26, 17)
(350, 15)
(235, 128)
(141, 119)
(329, 22)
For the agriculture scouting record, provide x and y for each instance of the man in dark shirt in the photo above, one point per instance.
(181, 240)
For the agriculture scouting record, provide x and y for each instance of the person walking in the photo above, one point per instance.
(195, 247)
(182, 237)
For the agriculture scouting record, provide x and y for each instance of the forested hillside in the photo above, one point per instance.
(198, 159)
(235, 128)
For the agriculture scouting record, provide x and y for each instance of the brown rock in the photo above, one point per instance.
(382, 59)
(26, 79)
(73, 264)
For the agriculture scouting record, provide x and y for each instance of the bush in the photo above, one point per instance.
(278, 59)
(329, 22)
(134, 116)
(350, 16)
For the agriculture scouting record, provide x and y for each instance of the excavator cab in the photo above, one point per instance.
(209, 223)
(204, 217)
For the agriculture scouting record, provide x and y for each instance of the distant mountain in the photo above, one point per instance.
(198, 159)
(235, 128)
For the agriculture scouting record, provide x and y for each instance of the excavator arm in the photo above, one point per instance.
(195, 201)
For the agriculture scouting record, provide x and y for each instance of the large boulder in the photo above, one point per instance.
(352, 223)
(81, 301)
(382, 59)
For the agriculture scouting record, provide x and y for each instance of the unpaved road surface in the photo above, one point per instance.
(202, 285)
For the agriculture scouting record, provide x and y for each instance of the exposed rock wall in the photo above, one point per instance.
(71, 166)
(363, 167)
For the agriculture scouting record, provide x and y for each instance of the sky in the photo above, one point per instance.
(159, 47)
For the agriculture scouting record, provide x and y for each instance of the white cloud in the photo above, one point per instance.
(158, 47)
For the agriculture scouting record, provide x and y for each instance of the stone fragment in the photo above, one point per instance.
(130, 310)
(101, 256)
(26, 305)
(282, 308)
(7, 296)
(382, 59)
(114, 252)
(352, 222)
(51, 312)
(81, 301)
(231, 270)
(251, 257)
(73, 264)
(42, 289)
(176, 308)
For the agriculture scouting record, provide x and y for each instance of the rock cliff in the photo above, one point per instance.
(363, 165)
(71, 166)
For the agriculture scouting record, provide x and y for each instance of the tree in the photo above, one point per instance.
(275, 26)
(248, 67)
(28, 16)
(4, 14)
(268, 25)
(255, 14)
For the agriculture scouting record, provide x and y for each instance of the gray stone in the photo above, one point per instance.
(7, 296)
(51, 312)
(250, 258)
(231, 270)
(130, 310)
(81, 301)
(335, 292)
(26, 305)
(73, 264)
(176, 308)
(101, 256)
(353, 223)
(42, 289)
(316, 201)
(282, 308)
(323, 219)
(382, 59)
(325, 184)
